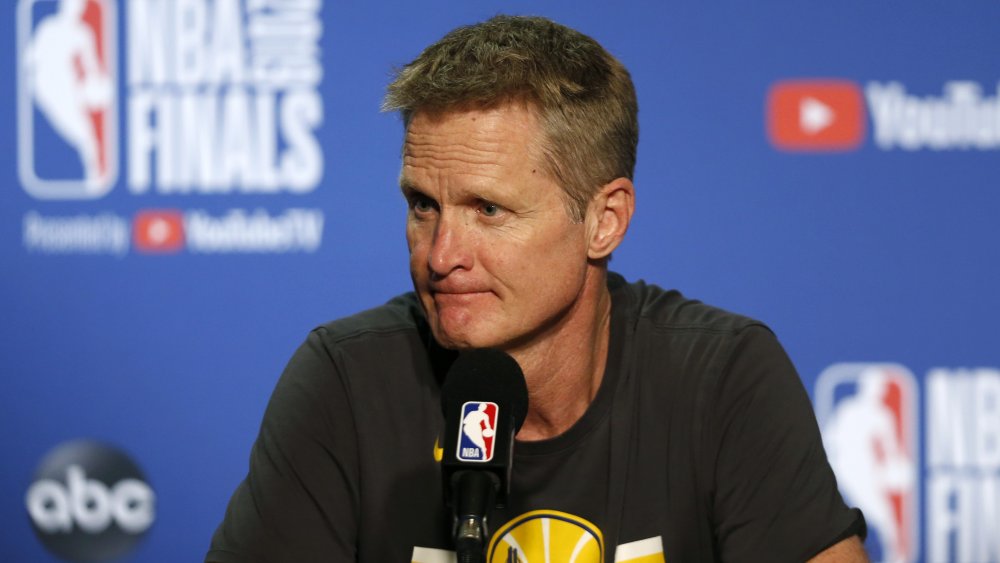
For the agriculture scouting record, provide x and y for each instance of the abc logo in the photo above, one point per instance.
(89, 502)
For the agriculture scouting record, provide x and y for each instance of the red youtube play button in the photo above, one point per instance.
(816, 115)
(158, 231)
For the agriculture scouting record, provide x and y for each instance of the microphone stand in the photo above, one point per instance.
(474, 492)
(474, 485)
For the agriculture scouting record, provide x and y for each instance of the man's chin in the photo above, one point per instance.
(455, 343)
(460, 339)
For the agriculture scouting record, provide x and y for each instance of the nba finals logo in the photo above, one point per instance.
(475, 437)
(67, 112)
(866, 414)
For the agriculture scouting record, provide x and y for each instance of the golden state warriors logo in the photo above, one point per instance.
(543, 536)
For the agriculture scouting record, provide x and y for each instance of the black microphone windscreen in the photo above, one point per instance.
(486, 375)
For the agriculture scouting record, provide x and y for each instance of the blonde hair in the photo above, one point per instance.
(584, 97)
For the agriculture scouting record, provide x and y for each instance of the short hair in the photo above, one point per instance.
(584, 96)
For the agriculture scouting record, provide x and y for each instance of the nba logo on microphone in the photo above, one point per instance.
(866, 413)
(475, 437)
(66, 93)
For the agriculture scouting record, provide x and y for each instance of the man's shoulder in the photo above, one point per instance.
(379, 342)
(661, 309)
(401, 314)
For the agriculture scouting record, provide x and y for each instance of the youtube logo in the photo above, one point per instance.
(816, 115)
(158, 231)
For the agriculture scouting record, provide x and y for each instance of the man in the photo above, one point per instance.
(658, 428)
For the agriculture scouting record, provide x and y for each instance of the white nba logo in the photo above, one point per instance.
(866, 414)
(67, 110)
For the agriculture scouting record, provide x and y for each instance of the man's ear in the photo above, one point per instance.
(609, 215)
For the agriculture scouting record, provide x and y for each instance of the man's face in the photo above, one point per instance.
(495, 257)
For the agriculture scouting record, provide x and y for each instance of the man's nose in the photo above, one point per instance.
(452, 246)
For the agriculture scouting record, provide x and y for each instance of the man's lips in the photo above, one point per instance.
(457, 293)
(457, 296)
(455, 287)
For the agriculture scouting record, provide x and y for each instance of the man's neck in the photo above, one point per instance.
(564, 369)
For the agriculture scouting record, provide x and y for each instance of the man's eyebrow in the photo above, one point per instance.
(408, 187)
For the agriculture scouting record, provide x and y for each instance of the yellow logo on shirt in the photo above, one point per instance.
(547, 535)
(438, 451)
(649, 550)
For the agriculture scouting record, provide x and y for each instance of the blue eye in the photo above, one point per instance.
(490, 209)
(422, 204)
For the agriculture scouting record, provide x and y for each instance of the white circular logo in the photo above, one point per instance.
(89, 502)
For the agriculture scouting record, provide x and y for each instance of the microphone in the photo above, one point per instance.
(484, 399)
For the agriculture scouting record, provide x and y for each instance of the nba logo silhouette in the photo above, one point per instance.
(67, 112)
(866, 414)
(475, 437)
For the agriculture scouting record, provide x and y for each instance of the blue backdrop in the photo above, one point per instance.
(868, 233)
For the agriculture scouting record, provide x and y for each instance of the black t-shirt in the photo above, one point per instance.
(700, 445)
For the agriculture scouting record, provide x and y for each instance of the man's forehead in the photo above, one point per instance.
(513, 101)
(512, 116)
(472, 139)
(506, 119)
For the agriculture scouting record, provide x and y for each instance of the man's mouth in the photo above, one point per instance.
(457, 296)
